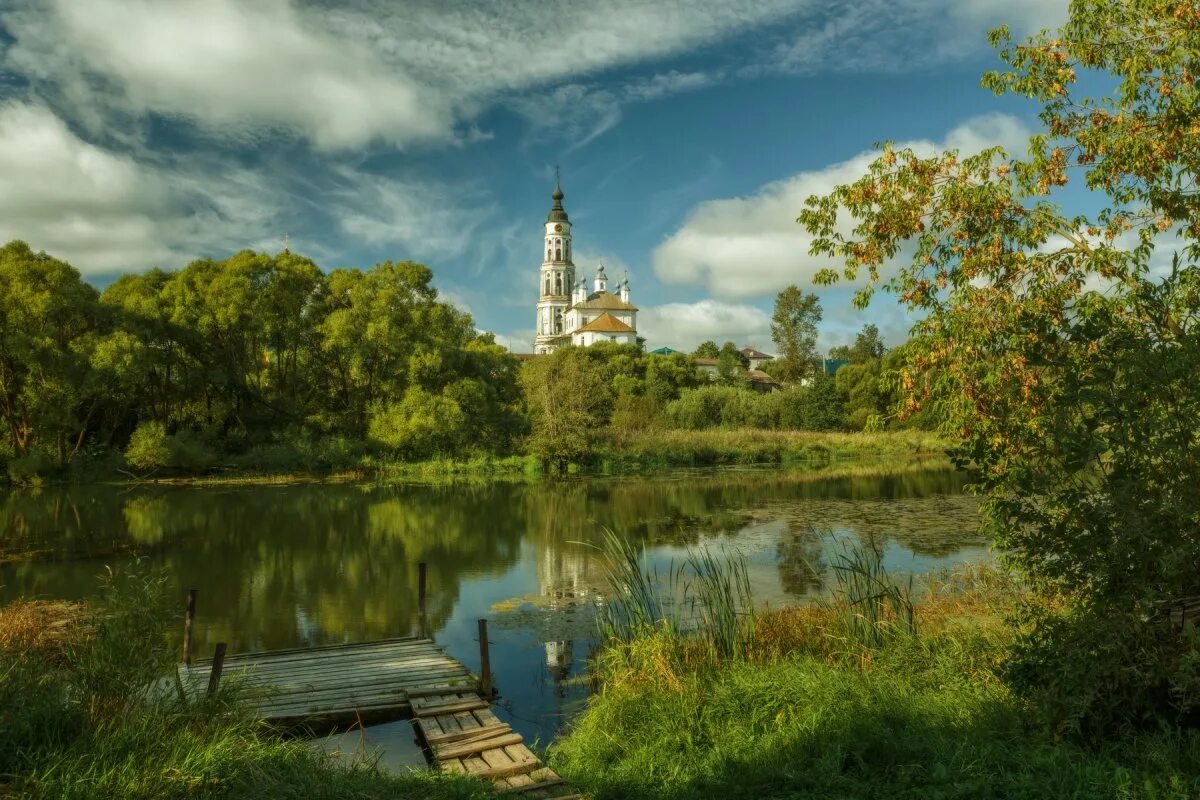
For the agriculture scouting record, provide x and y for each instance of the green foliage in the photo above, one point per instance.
(148, 447)
(1059, 348)
(868, 346)
(707, 349)
(236, 357)
(794, 331)
(49, 321)
(569, 401)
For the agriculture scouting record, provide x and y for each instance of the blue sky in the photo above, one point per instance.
(139, 133)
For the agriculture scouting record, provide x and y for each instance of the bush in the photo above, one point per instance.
(31, 469)
(149, 447)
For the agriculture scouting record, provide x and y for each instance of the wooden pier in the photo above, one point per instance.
(410, 677)
(324, 687)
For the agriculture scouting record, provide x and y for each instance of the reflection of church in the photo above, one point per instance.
(568, 575)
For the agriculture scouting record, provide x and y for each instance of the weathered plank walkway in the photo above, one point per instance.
(463, 735)
(339, 684)
(394, 678)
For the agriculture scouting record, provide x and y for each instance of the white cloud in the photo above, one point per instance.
(104, 211)
(685, 325)
(751, 246)
(347, 74)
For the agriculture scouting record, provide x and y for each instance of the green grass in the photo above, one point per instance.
(76, 721)
(818, 704)
(655, 449)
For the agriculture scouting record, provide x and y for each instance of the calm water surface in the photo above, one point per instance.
(327, 563)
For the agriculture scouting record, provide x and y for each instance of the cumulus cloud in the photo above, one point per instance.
(751, 246)
(104, 211)
(685, 325)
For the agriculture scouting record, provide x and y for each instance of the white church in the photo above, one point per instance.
(567, 313)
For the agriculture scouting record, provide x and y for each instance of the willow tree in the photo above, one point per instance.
(1063, 348)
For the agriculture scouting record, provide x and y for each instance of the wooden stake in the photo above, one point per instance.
(218, 662)
(188, 615)
(485, 662)
(421, 599)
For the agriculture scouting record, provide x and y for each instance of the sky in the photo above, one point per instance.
(143, 133)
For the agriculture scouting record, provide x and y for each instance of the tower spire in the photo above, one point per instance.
(557, 212)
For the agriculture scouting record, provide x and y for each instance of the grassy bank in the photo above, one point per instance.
(613, 452)
(75, 723)
(664, 448)
(812, 708)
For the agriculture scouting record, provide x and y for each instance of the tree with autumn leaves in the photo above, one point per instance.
(1063, 348)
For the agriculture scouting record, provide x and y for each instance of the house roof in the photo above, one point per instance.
(664, 351)
(758, 376)
(605, 300)
(605, 323)
(705, 362)
(750, 352)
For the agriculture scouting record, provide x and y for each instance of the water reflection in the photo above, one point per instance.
(319, 564)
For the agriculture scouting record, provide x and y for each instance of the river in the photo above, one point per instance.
(323, 563)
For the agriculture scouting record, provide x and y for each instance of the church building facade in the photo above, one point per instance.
(568, 310)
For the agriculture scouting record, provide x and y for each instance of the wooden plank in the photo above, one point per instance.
(481, 744)
(264, 669)
(448, 722)
(431, 709)
(415, 677)
(496, 759)
(443, 738)
(532, 786)
(516, 768)
(429, 691)
(342, 646)
(468, 720)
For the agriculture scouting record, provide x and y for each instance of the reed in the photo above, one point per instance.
(874, 607)
(705, 598)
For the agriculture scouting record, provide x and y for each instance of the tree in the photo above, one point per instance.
(569, 401)
(1062, 349)
(707, 349)
(867, 346)
(794, 331)
(731, 365)
(49, 320)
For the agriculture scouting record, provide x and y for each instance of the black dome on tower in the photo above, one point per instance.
(557, 212)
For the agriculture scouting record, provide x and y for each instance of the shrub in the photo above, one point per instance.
(149, 447)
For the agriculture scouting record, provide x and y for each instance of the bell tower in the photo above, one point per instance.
(556, 277)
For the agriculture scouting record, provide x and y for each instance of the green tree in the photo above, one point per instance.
(1059, 348)
(49, 321)
(731, 365)
(570, 400)
(867, 346)
(794, 331)
(707, 349)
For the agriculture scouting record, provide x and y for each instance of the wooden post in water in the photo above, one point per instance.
(218, 663)
(421, 599)
(485, 662)
(188, 615)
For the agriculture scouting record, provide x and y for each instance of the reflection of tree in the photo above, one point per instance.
(322, 563)
(801, 560)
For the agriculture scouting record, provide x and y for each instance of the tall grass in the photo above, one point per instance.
(705, 598)
(873, 607)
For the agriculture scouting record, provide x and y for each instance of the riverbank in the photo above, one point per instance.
(612, 453)
(808, 710)
(74, 723)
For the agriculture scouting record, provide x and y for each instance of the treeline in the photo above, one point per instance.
(577, 395)
(252, 360)
(269, 364)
